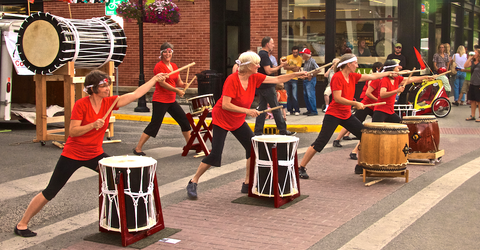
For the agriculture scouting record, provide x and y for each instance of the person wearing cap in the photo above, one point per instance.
(391, 86)
(267, 93)
(230, 111)
(294, 64)
(397, 54)
(309, 82)
(163, 100)
(339, 112)
(83, 148)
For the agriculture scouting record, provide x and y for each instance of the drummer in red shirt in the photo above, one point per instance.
(84, 143)
(390, 86)
(230, 111)
(339, 112)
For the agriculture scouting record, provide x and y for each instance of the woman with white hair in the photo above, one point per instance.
(339, 112)
(230, 111)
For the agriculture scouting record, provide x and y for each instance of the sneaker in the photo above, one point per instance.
(138, 153)
(192, 190)
(358, 169)
(297, 113)
(306, 113)
(312, 114)
(302, 171)
(337, 144)
(288, 113)
(456, 103)
(244, 188)
(353, 156)
(288, 133)
(347, 138)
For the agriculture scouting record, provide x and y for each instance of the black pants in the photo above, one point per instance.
(379, 116)
(330, 123)
(363, 113)
(158, 113)
(243, 134)
(64, 170)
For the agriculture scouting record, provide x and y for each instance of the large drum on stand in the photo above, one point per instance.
(199, 103)
(263, 176)
(424, 135)
(138, 178)
(47, 42)
(384, 146)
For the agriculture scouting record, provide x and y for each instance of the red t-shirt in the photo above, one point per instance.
(161, 94)
(390, 101)
(89, 145)
(375, 84)
(362, 95)
(348, 92)
(232, 88)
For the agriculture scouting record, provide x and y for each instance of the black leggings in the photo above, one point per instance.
(330, 123)
(159, 111)
(363, 113)
(379, 116)
(243, 134)
(64, 170)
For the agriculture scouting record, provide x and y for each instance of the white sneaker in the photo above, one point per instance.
(325, 110)
(297, 113)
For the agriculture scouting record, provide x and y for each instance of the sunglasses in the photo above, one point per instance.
(398, 47)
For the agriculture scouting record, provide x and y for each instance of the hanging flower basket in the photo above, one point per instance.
(161, 12)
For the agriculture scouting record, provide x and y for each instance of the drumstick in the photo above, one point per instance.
(188, 71)
(111, 108)
(268, 110)
(444, 73)
(312, 71)
(408, 72)
(180, 69)
(374, 104)
(408, 79)
(188, 85)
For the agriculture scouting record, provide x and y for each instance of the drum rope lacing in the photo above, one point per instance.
(112, 196)
(289, 164)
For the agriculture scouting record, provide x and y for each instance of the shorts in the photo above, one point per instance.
(328, 91)
(466, 85)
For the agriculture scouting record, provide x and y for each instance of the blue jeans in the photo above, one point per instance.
(269, 95)
(457, 86)
(292, 101)
(309, 94)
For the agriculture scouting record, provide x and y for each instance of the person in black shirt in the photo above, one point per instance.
(399, 56)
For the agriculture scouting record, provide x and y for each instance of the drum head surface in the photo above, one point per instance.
(200, 96)
(275, 138)
(127, 161)
(41, 43)
(384, 125)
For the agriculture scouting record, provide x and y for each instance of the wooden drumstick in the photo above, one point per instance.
(268, 110)
(375, 104)
(444, 73)
(180, 69)
(188, 71)
(111, 108)
(409, 72)
(188, 85)
(324, 66)
(408, 79)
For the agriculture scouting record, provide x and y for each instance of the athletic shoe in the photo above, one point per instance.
(312, 114)
(288, 133)
(192, 190)
(302, 171)
(336, 143)
(306, 113)
(358, 169)
(297, 113)
(244, 188)
(353, 156)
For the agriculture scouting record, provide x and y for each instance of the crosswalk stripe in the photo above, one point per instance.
(89, 217)
(379, 234)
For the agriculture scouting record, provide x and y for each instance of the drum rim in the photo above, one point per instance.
(288, 138)
(420, 117)
(200, 96)
(145, 161)
(386, 125)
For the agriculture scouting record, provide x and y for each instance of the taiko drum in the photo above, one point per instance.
(424, 135)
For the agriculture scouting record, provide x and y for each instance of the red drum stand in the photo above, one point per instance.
(127, 237)
(197, 130)
(278, 200)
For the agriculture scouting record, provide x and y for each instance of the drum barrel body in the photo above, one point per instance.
(286, 150)
(199, 103)
(384, 147)
(424, 135)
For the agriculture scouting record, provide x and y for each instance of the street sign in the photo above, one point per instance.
(111, 7)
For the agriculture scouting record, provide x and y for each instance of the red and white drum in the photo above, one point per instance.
(138, 178)
(263, 176)
(199, 103)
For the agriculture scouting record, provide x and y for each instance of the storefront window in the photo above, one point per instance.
(466, 19)
(303, 9)
(366, 9)
(475, 21)
(424, 41)
(475, 38)
(465, 38)
(425, 9)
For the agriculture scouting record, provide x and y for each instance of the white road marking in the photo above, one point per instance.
(386, 229)
(89, 217)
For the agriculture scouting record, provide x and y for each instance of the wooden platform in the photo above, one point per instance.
(393, 174)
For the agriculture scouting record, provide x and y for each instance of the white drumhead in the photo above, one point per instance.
(41, 43)
(275, 138)
(200, 96)
(127, 161)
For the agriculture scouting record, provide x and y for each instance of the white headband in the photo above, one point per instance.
(240, 63)
(353, 59)
(85, 89)
(163, 50)
(389, 66)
